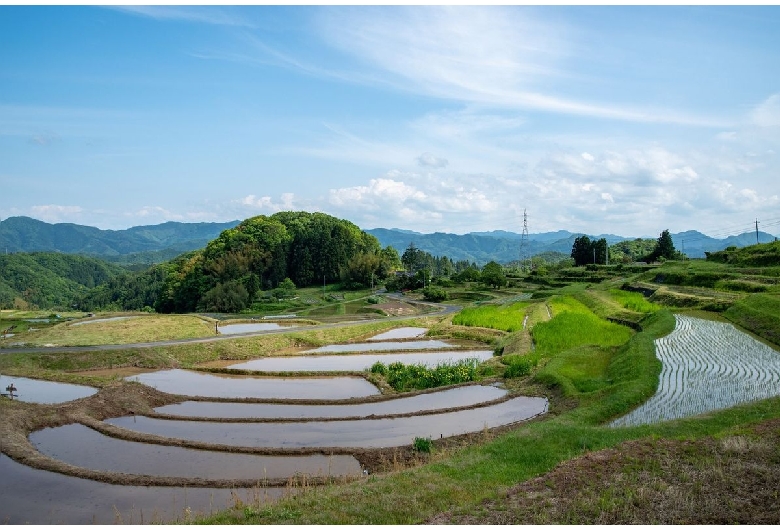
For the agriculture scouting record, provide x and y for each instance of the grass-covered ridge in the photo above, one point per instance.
(503, 317)
(573, 325)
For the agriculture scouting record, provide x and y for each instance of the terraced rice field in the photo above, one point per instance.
(707, 366)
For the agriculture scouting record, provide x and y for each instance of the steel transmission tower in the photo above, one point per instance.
(524, 246)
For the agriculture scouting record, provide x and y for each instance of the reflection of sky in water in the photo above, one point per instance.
(355, 363)
(190, 383)
(454, 397)
(382, 346)
(35, 496)
(400, 333)
(37, 391)
(231, 329)
(357, 433)
(83, 447)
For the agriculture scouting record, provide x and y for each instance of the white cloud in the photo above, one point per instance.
(267, 204)
(55, 213)
(767, 113)
(428, 160)
(587, 156)
(496, 56)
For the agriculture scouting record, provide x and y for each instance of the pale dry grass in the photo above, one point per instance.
(137, 328)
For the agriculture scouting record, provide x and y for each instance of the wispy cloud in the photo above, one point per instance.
(200, 14)
(56, 213)
(767, 113)
(492, 56)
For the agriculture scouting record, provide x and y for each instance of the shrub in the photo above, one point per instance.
(423, 445)
(378, 368)
(434, 294)
(518, 366)
(417, 376)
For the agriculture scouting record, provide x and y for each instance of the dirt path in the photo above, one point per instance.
(443, 310)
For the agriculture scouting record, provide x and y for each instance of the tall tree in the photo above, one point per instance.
(582, 251)
(664, 248)
(493, 275)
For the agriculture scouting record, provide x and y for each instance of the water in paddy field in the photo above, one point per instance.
(95, 321)
(382, 346)
(83, 447)
(400, 333)
(707, 366)
(233, 329)
(464, 396)
(368, 433)
(356, 362)
(44, 392)
(34, 496)
(191, 383)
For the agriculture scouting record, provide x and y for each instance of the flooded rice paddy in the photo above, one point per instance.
(189, 383)
(34, 496)
(96, 320)
(707, 366)
(81, 446)
(356, 363)
(371, 433)
(400, 333)
(46, 392)
(465, 396)
(240, 430)
(382, 346)
(234, 329)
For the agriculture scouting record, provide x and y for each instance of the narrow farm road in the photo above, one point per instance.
(442, 310)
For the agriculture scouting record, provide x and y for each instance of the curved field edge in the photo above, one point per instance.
(465, 477)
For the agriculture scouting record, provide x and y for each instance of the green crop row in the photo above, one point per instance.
(633, 301)
(574, 325)
(506, 318)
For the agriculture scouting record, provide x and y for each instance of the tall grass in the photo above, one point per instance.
(506, 318)
(633, 301)
(759, 313)
(419, 377)
(573, 325)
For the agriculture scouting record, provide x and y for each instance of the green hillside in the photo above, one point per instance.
(23, 234)
(50, 279)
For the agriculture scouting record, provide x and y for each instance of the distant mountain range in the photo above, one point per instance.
(152, 243)
(503, 247)
(156, 243)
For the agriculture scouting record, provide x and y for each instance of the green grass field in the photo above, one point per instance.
(503, 317)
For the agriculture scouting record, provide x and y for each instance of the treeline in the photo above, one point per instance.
(260, 254)
(50, 279)
(760, 255)
(586, 251)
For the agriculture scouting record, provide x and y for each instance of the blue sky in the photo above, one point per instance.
(625, 120)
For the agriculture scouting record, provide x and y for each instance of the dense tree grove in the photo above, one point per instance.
(586, 251)
(261, 252)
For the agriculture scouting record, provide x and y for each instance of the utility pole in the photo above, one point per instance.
(756, 231)
(524, 243)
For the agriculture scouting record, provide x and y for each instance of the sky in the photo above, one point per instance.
(623, 120)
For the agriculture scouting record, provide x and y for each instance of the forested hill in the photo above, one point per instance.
(50, 279)
(24, 234)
